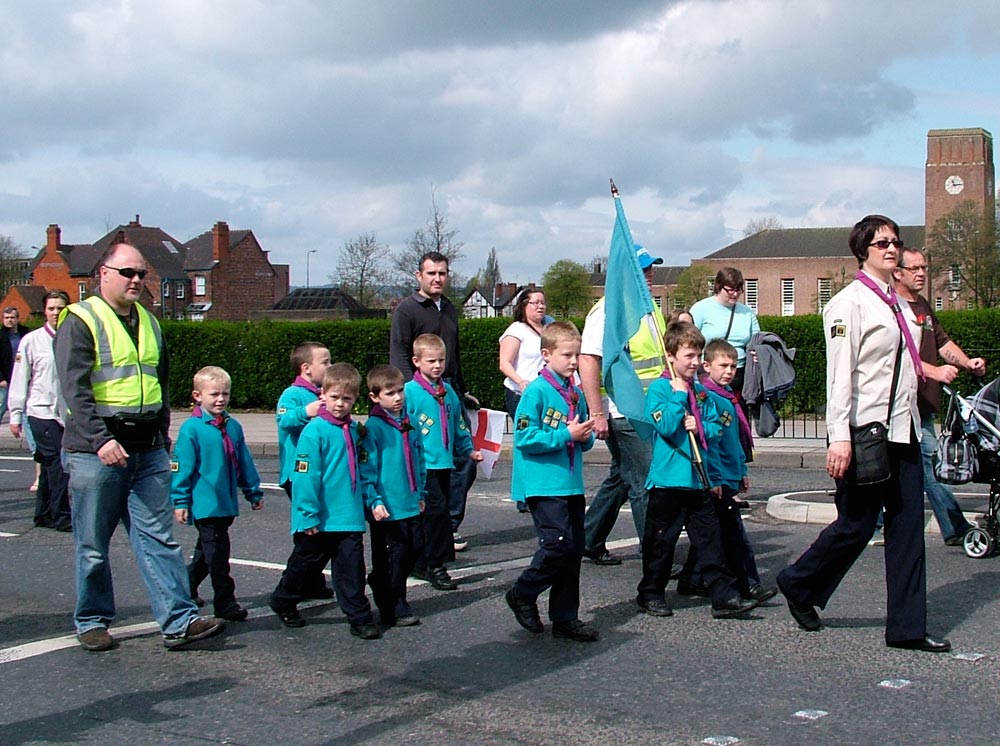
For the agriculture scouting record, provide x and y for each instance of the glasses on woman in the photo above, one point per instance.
(535, 303)
(733, 291)
(885, 243)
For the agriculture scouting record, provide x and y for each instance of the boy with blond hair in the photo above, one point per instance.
(328, 511)
(435, 409)
(552, 429)
(393, 476)
(211, 465)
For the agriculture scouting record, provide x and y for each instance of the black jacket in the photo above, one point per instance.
(6, 354)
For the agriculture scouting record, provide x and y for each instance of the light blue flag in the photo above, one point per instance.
(627, 305)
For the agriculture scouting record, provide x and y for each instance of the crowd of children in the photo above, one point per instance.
(391, 475)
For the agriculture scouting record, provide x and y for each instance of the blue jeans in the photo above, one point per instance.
(630, 457)
(138, 495)
(949, 515)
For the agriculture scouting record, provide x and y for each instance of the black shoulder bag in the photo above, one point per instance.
(870, 442)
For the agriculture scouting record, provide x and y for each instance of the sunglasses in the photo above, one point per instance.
(885, 243)
(128, 272)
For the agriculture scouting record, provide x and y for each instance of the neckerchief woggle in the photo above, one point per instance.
(345, 427)
(403, 426)
(438, 392)
(746, 434)
(569, 395)
(892, 300)
(227, 443)
(693, 406)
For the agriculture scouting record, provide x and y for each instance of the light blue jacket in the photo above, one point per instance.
(673, 464)
(425, 414)
(384, 474)
(291, 418)
(726, 462)
(323, 496)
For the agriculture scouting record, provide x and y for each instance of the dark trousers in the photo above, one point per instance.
(463, 476)
(814, 576)
(310, 555)
(736, 549)
(52, 498)
(438, 545)
(395, 547)
(316, 583)
(211, 558)
(556, 564)
(668, 511)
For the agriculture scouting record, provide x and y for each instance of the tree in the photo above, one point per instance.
(13, 264)
(963, 243)
(693, 284)
(758, 225)
(363, 267)
(434, 236)
(567, 288)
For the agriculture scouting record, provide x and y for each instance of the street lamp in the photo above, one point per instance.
(311, 251)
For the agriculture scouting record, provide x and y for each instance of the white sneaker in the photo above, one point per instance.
(460, 543)
(878, 539)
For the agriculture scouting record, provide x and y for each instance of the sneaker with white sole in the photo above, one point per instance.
(459, 541)
(201, 628)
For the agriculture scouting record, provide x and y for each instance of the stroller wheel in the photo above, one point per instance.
(977, 543)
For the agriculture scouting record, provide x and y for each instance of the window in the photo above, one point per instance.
(658, 300)
(180, 289)
(788, 297)
(750, 287)
(824, 291)
(954, 278)
(166, 289)
(199, 285)
(939, 303)
(81, 290)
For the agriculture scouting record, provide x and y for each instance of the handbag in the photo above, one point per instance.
(870, 442)
(955, 459)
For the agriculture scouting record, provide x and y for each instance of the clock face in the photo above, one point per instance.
(954, 184)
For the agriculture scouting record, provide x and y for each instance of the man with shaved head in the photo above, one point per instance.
(113, 372)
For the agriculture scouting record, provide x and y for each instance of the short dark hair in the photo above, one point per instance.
(911, 250)
(719, 348)
(683, 334)
(383, 375)
(303, 355)
(435, 257)
(728, 277)
(864, 231)
(56, 295)
(522, 303)
(344, 375)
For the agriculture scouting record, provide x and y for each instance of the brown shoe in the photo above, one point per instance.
(96, 640)
(201, 628)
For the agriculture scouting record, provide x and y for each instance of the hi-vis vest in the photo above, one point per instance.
(123, 377)
(648, 355)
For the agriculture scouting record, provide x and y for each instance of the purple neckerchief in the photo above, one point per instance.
(439, 392)
(49, 330)
(227, 443)
(305, 383)
(693, 406)
(892, 301)
(746, 434)
(352, 454)
(403, 425)
(569, 395)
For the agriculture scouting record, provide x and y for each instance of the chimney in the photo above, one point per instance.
(220, 241)
(53, 235)
(134, 223)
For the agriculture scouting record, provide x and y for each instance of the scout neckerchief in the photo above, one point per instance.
(403, 426)
(345, 427)
(693, 406)
(569, 395)
(227, 443)
(746, 434)
(892, 301)
(438, 392)
(49, 330)
(305, 383)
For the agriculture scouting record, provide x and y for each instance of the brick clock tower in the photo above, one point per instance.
(959, 169)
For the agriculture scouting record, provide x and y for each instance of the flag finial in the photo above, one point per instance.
(614, 189)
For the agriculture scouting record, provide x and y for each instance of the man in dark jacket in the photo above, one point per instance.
(10, 337)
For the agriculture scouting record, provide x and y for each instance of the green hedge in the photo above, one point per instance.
(256, 353)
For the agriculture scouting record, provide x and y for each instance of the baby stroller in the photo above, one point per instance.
(968, 450)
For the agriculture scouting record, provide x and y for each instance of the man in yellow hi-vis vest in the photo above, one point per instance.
(113, 372)
(630, 455)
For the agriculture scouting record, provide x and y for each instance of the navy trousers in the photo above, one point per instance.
(211, 558)
(556, 564)
(439, 547)
(52, 498)
(736, 549)
(395, 547)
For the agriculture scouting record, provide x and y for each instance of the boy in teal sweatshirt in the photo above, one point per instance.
(211, 465)
(681, 412)
(552, 429)
(328, 512)
(393, 477)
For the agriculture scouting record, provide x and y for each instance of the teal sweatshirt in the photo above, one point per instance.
(384, 474)
(726, 462)
(291, 418)
(673, 463)
(425, 414)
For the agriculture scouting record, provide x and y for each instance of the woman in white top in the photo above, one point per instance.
(521, 347)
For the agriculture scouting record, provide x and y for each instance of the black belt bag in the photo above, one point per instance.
(870, 443)
(135, 430)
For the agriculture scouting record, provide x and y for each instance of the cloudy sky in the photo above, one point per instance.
(312, 121)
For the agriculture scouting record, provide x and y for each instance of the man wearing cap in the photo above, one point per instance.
(630, 455)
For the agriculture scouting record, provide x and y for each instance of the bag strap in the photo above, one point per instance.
(732, 315)
(895, 381)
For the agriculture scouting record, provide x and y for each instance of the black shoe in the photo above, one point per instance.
(926, 644)
(743, 505)
(322, 593)
(734, 607)
(806, 616)
(601, 557)
(761, 594)
(289, 617)
(655, 606)
(525, 612)
(441, 580)
(365, 631)
(684, 588)
(420, 573)
(65, 527)
(575, 630)
(406, 621)
(235, 613)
